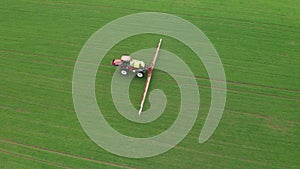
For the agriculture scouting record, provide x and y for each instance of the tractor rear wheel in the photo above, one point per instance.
(124, 72)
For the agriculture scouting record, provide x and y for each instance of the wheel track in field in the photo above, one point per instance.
(239, 112)
(230, 111)
(252, 115)
(175, 13)
(84, 38)
(76, 45)
(60, 153)
(259, 116)
(239, 82)
(232, 90)
(222, 155)
(122, 166)
(199, 85)
(105, 65)
(170, 81)
(230, 157)
(229, 24)
(65, 154)
(34, 159)
(71, 110)
(72, 60)
(210, 17)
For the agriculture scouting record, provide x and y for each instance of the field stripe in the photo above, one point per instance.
(67, 59)
(257, 116)
(175, 13)
(106, 65)
(66, 155)
(208, 87)
(267, 120)
(258, 42)
(122, 166)
(199, 85)
(34, 159)
(234, 90)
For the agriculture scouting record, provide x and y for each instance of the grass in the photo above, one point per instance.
(258, 43)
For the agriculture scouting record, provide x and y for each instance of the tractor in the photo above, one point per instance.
(127, 64)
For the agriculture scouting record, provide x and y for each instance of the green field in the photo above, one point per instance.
(259, 46)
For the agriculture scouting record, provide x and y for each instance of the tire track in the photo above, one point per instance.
(121, 166)
(34, 159)
(66, 154)
(209, 79)
(179, 147)
(43, 56)
(208, 87)
(233, 90)
(175, 13)
(72, 110)
(105, 65)
(252, 114)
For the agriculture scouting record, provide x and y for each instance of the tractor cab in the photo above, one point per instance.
(128, 61)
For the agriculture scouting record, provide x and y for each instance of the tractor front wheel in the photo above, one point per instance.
(140, 74)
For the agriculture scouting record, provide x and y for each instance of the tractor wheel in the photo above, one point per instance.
(140, 74)
(124, 72)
